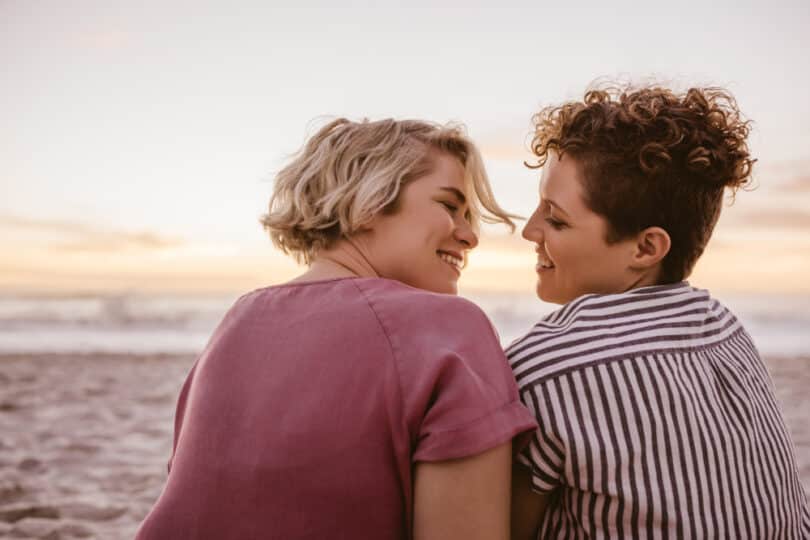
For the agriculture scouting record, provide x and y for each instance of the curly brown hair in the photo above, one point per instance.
(652, 157)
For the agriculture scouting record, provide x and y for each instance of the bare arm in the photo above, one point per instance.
(528, 506)
(464, 498)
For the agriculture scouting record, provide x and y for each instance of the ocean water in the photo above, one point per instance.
(148, 324)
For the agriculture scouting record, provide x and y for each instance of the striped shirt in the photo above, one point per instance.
(657, 420)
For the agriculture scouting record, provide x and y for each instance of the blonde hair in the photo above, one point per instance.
(350, 171)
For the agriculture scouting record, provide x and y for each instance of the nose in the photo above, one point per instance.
(533, 231)
(464, 234)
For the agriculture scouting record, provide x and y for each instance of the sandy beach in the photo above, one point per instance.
(84, 440)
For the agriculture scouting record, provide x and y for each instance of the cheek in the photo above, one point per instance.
(557, 246)
(443, 225)
(571, 253)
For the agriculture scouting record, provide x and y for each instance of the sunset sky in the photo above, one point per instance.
(138, 140)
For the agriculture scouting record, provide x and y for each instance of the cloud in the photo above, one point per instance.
(112, 242)
(78, 237)
(797, 184)
(780, 218)
(44, 225)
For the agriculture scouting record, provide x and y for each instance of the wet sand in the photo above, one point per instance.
(84, 440)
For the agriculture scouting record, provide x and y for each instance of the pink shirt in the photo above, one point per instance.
(305, 413)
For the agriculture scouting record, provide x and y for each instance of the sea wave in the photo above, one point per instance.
(134, 323)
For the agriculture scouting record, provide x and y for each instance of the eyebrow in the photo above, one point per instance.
(459, 195)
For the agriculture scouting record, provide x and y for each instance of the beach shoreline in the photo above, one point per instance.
(85, 438)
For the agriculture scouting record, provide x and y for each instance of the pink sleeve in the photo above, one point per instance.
(179, 413)
(460, 395)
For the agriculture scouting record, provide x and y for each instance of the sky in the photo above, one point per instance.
(138, 140)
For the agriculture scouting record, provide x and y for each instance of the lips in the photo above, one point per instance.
(543, 262)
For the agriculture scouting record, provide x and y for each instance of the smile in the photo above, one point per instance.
(543, 263)
(453, 260)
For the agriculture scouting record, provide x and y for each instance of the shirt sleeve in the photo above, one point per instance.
(180, 412)
(545, 453)
(459, 393)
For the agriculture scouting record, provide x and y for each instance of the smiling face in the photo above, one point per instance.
(573, 257)
(424, 241)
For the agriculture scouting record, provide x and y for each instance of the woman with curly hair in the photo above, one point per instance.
(363, 399)
(656, 415)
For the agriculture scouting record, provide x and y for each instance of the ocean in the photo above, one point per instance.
(170, 324)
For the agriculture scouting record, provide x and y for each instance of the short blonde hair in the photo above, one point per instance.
(350, 171)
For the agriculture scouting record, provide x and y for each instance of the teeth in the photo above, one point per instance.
(446, 257)
(544, 263)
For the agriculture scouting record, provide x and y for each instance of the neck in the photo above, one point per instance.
(645, 279)
(345, 259)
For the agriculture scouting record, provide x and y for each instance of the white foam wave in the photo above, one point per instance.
(169, 324)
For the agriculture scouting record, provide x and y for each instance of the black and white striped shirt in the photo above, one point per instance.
(657, 420)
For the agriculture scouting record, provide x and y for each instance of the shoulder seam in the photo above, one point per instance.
(387, 339)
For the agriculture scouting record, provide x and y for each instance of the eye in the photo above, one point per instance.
(449, 206)
(556, 224)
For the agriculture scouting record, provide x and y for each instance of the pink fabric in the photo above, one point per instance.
(306, 411)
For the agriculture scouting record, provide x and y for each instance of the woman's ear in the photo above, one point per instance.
(652, 245)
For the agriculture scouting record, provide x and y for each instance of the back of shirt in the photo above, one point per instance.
(657, 419)
(302, 417)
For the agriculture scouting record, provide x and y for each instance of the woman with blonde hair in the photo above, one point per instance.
(362, 399)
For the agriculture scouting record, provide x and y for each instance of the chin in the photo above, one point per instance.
(549, 296)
